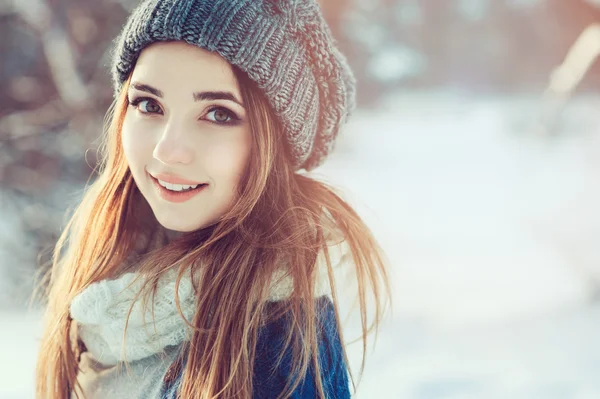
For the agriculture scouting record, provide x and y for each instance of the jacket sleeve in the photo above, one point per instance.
(269, 382)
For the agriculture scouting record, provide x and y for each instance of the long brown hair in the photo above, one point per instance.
(280, 216)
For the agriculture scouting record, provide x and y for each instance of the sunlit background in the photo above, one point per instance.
(474, 155)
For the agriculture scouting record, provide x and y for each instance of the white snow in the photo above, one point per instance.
(394, 62)
(492, 232)
(19, 341)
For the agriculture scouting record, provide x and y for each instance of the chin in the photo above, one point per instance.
(182, 226)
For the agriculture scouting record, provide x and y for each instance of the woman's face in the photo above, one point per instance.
(185, 125)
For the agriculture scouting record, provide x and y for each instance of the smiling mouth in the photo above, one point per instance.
(177, 196)
(178, 188)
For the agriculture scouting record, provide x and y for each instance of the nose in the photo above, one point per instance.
(173, 148)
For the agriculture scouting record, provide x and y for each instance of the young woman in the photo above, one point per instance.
(201, 263)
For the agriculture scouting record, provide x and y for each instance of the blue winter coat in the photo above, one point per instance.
(268, 385)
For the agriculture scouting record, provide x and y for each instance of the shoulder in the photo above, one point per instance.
(269, 381)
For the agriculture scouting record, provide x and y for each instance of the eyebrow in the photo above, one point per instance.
(198, 96)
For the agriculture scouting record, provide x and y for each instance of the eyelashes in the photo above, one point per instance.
(136, 102)
(149, 106)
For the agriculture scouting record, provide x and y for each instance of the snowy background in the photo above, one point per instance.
(477, 169)
(493, 236)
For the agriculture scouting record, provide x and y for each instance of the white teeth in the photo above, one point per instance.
(175, 187)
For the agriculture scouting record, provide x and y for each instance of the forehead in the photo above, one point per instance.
(179, 64)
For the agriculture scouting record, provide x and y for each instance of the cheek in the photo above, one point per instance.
(228, 160)
(135, 147)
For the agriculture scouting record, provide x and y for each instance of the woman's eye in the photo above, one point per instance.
(146, 105)
(222, 116)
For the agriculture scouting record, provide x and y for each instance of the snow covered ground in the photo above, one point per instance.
(492, 232)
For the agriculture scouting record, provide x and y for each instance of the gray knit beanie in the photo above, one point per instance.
(285, 46)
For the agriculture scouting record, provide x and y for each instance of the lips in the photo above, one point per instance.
(178, 187)
(174, 179)
(177, 196)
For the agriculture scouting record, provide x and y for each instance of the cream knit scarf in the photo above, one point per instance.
(100, 312)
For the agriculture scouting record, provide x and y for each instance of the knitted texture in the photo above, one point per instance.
(101, 309)
(285, 46)
(101, 312)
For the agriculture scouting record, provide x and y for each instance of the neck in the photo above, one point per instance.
(172, 234)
